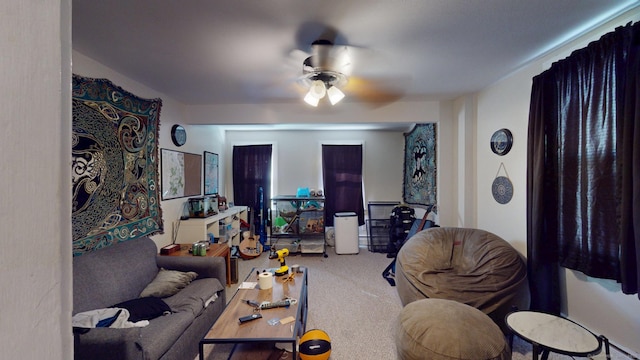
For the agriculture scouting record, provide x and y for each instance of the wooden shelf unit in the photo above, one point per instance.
(224, 226)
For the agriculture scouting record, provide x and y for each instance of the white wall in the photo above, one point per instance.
(597, 304)
(440, 112)
(465, 186)
(35, 261)
(298, 155)
(199, 138)
(300, 113)
(212, 138)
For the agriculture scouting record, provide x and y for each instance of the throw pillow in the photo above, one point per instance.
(144, 308)
(167, 283)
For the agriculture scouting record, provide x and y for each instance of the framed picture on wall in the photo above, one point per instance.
(181, 174)
(210, 173)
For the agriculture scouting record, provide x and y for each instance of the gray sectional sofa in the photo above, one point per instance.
(119, 273)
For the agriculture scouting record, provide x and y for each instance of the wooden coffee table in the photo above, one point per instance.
(228, 329)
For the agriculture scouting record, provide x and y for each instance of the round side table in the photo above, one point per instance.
(548, 332)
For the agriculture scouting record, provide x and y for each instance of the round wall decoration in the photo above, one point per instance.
(502, 189)
(501, 141)
(178, 135)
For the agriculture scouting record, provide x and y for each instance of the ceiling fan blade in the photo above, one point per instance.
(298, 56)
(376, 91)
(311, 31)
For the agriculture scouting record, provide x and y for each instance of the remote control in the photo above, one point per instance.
(271, 305)
(244, 319)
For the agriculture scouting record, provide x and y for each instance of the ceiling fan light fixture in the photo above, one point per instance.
(318, 89)
(322, 83)
(335, 95)
(311, 99)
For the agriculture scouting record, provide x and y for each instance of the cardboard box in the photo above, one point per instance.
(169, 249)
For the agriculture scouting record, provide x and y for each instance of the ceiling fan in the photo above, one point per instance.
(328, 73)
(325, 72)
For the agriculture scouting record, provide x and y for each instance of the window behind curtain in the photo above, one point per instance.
(583, 177)
(342, 177)
(251, 170)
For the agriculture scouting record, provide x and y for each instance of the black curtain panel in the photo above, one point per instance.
(583, 168)
(252, 170)
(629, 160)
(342, 176)
(542, 263)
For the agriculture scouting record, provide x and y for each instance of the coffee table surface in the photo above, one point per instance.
(227, 329)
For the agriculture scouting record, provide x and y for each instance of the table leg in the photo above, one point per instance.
(536, 351)
(510, 339)
(545, 354)
(228, 260)
(294, 350)
(607, 351)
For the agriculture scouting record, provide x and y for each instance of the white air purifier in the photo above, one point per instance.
(346, 233)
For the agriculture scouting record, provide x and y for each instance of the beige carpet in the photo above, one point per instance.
(349, 299)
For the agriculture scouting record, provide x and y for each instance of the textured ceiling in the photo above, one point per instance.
(250, 51)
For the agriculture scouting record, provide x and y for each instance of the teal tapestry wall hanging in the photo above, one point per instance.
(420, 165)
(114, 165)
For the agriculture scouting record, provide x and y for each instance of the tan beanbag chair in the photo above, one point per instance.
(437, 329)
(471, 266)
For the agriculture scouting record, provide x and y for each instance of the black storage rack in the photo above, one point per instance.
(378, 224)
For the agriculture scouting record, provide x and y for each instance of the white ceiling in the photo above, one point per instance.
(248, 51)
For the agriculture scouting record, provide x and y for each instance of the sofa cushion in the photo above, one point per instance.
(162, 332)
(167, 283)
(193, 298)
(146, 308)
(113, 274)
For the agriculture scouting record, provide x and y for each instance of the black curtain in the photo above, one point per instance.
(583, 168)
(251, 170)
(342, 176)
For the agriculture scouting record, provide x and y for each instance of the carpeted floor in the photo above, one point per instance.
(353, 303)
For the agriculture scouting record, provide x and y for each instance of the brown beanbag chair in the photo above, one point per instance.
(471, 266)
(437, 329)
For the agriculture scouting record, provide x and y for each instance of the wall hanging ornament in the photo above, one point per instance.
(501, 141)
(114, 169)
(420, 172)
(502, 188)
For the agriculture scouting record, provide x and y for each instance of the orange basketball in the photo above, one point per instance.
(315, 345)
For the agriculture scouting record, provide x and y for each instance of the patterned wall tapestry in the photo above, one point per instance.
(114, 165)
(420, 165)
